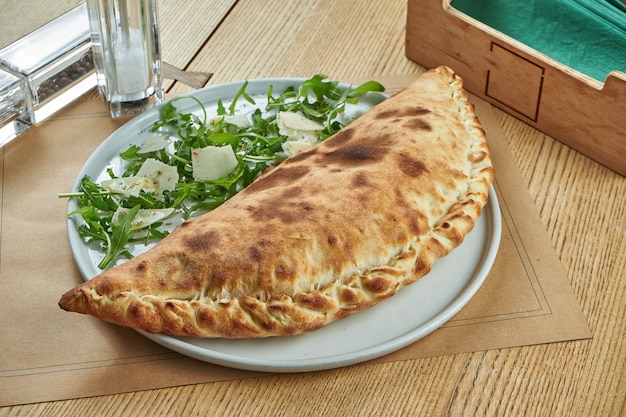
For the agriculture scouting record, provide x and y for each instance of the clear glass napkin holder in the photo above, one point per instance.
(55, 62)
(13, 107)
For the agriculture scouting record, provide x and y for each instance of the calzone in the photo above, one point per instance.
(329, 232)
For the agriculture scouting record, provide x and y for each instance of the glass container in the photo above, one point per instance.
(13, 107)
(127, 54)
(55, 63)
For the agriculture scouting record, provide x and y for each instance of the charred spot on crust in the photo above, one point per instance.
(280, 176)
(356, 155)
(106, 286)
(421, 268)
(388, 114)
(405, 112)
(411, 167)
(291, 192)
(314, 301)
(141, 313)
(250, 303)
(284, 272)
(200, 242)
(376, 285)
(255, 254)
(476, 157)
(278, 307)
(206, 318)
(416, 111)
(436, 247)
(418, 124)
(340, 138)
(360, 180)
(284, 211)
(263, 214)
(452, 217)
(414, 227)
(220, 277)
(352, 153)
(350, 296)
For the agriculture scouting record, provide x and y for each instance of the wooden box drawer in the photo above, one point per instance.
(584, 113)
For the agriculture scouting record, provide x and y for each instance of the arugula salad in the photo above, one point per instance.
(192, 162)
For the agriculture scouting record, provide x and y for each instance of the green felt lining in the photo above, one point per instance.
(586, 35)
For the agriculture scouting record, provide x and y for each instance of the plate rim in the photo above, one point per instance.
(179, 345)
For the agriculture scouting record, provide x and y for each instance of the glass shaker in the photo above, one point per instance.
(127, 54)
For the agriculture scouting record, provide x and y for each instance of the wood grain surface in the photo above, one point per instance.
(582, 207)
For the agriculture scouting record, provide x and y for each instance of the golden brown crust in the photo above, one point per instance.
(329, 232)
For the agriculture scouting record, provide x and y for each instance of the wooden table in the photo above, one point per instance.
(582, 206)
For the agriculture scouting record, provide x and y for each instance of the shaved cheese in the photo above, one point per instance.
(154, 143)
(163, 175)
(212, 162)
(144, 218)
(239, 120)
(301, 132)
(129, 186)
(290, 121)
(293, 147)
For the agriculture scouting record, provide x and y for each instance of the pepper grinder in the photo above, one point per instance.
(127, 54)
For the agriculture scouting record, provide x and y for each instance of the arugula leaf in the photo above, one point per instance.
(258, 147)
(121, 234)
(240, 93)
(367, 87)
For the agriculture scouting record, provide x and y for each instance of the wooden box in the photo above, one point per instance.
(578, 110)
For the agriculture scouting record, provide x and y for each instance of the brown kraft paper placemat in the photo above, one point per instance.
(47, 354)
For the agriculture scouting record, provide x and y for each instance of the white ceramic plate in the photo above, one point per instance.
(414, 312)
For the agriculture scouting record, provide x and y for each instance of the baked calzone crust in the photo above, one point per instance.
(331, 231)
